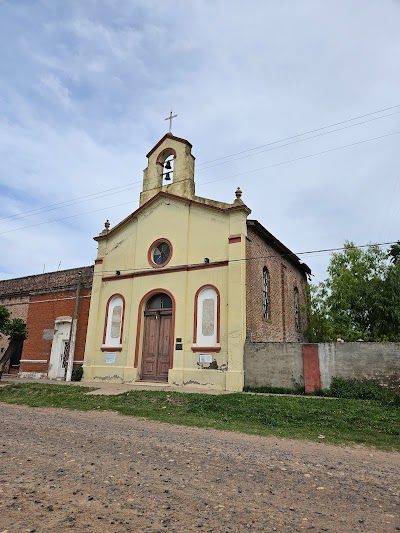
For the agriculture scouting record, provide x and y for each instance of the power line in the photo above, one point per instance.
(304, 157)
(297, 141)
(215, 180)
(72, 201)
(101, 194)
(275, 256)
(304, 133)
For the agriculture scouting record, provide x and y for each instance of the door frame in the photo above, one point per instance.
(157, 315)
(140, 326)
(62, 330)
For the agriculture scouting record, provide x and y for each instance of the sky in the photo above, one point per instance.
(85, 87)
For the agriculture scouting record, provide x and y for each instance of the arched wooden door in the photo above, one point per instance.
(157, 338)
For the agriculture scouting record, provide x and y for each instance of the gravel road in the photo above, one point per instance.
(101, 472)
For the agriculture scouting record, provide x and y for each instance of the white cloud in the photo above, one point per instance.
(54, 84)
(95, 80)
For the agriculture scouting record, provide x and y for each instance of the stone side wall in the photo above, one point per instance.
(283, 278)
(274, 364)
(376, 361)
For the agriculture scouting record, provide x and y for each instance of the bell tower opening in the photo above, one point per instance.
(170, 169)
(166, 160)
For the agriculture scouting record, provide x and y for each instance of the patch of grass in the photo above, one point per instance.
(341, 388)
(344, 421)
(298, 391)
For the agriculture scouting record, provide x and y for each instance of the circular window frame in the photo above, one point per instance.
(151, 250)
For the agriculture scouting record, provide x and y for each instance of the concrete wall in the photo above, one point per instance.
(273, 364)
(314, 365)
(375, 361)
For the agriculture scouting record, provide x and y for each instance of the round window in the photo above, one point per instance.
(160, 253)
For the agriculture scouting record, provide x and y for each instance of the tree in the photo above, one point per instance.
(394, 252)
(15, 329)
(360, 299)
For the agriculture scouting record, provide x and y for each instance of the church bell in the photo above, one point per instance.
(168, 165)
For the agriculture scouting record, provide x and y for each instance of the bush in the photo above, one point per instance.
(77, 373)
(362, 390)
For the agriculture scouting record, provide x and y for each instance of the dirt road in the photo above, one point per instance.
(102, 472)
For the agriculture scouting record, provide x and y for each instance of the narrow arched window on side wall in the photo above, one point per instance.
(265, 291)
(206, 333)
(296, 308)
(114, 321)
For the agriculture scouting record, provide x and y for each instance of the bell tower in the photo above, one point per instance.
(170, 169)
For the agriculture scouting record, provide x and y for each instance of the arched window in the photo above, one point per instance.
(159, 301)
(114, 321)
(296, 308)
(206, 319)
(265, 291)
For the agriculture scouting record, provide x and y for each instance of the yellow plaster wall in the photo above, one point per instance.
(183, 182)
(195, 232)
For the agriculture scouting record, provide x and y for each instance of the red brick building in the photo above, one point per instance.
(276, 289)
(46, 302)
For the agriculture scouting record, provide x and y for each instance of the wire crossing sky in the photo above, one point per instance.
(296, 103)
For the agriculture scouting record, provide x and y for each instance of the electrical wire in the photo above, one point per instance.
(128, 186)
(304, 133)
(276, 256)
(296, 141)
(213, 181)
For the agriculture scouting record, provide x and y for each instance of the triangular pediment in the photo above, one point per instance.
(163, 194)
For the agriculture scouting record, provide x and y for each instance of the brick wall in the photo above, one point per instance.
(284, 276)
(39, 300)
(49, 281)
(43, 311)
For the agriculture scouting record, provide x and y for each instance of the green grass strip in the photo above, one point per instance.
(339, 421)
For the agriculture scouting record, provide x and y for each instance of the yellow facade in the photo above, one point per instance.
(207, 248)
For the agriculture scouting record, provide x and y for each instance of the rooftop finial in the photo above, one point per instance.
(107, 224)
(238, 193)
(171, 116)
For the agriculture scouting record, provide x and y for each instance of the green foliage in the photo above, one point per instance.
(360, 299)
(77, 373)
(14, 328)
(394, 252)
(17, 330)
(4, 320)
(363, 390)
(338, 420)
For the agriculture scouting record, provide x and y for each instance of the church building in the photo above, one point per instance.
(181, 283)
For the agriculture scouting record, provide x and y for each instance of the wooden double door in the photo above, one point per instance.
(157, 336)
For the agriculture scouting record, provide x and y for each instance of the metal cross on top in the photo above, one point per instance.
(171, 116)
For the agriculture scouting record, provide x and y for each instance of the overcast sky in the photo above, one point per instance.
(85, 86)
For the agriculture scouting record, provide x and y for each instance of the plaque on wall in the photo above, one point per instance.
(110, 358)
(205, 358)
